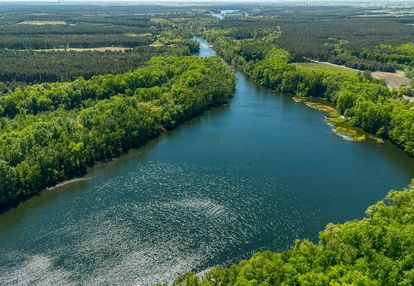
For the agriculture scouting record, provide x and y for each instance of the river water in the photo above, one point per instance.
(250, 176)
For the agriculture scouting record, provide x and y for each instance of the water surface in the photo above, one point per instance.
(223, 13)
(250, 176)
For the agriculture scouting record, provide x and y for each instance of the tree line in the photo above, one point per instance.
(147, 36)
(307, 33)
(52, 66)
(54, 132)
(74, 28)
(73, 41)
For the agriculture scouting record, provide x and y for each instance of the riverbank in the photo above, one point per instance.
(340, 125)
(124, 111)
(369, 104)
(345, 246)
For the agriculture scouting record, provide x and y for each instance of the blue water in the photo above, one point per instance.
(223, 13)
(250, 176)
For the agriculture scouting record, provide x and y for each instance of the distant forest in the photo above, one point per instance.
(57, 43)
(310, 33)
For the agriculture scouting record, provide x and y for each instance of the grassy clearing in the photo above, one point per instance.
(340, 125)
(324, 66)
(393, 80)
(41, 22)
(138, 35)
(157, 44)
(99, 49)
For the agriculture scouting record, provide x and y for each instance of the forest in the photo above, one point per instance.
(309, 33)
(53, 131)
(54, 66)
(62, 45)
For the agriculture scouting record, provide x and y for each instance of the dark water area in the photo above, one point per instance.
(253, 175)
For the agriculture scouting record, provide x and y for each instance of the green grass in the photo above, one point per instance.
(325, 67)
(157, 43)
(42, 22)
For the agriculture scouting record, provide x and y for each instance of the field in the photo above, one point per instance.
(325, 66)
(393, 80)
(98, 49)
(42, 22)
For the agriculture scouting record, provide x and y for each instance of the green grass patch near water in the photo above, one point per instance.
(340, 125)
(326, 67)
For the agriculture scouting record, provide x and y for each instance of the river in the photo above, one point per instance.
(253, 175)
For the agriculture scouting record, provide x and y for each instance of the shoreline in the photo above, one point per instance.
(339, 123)
(69, 181)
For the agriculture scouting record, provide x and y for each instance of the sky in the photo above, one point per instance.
(207, 1)
(166, 2)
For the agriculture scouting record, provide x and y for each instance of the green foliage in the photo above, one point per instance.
(353, 40)
(306, 30)
(53, 132)
(72, 41)
(357, 60)
(399, 55)
(96, 41)
(378, 250)
(52, 66)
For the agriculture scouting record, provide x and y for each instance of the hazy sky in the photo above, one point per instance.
(142, 2)
(209, 1)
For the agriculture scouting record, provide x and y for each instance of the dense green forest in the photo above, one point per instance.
(310, 33)
(377, 250)
(52, 66)
(63, 45)
(53, 132)
(26, 29)
(73, 41)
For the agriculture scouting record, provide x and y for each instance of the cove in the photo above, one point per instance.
(253, 175)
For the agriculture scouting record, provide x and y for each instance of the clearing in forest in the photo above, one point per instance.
(97, 49)
(393, 80)
(325, 66)
(42, 22)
